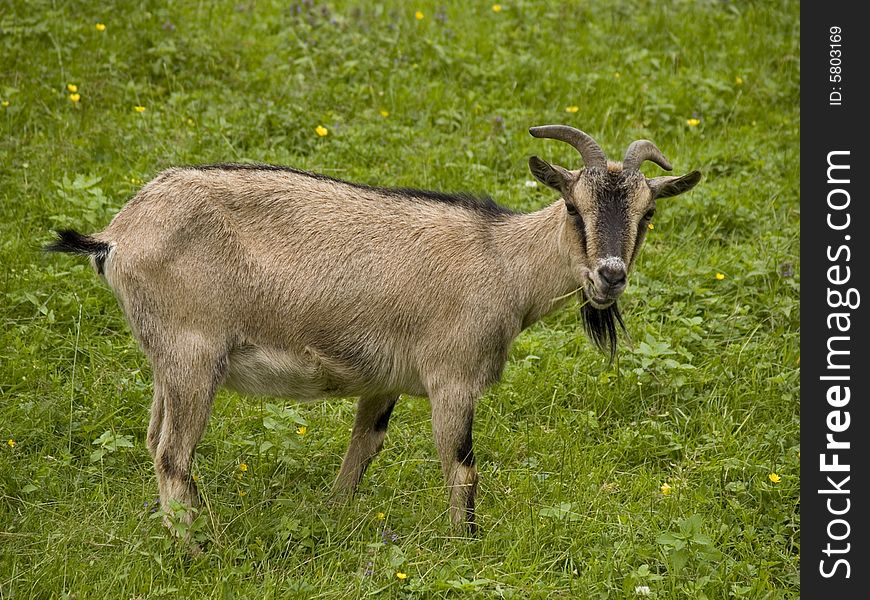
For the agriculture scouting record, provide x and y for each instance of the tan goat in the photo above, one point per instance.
(269, 280)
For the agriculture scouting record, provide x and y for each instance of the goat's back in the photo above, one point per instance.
(366, 279)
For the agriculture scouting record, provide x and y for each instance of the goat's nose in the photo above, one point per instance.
(612, 275)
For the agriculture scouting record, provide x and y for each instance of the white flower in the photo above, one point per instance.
(531, 183)
(642, 590)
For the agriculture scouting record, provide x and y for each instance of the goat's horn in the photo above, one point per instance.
(593, 155)
(640, 151)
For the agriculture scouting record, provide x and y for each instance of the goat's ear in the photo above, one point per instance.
(554, 176)
(664, 187)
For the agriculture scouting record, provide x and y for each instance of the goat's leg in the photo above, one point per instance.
(186, 382)
(369, 428)
(156, 420)
(452, 419)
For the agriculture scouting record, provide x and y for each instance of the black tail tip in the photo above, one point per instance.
(74, 242)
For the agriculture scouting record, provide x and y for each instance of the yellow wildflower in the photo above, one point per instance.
(385, 113)
(738, 80)
(693, 122)
(616, 75)
(418, 15)
(321, 130)
(774, 478)
(243, 467)
(74, 98)
(720, 276)
(401, 576)
(380, 516)
(302, 430)
(651, 226)
(665, 488)
(496, 8)
(139, 108)
(11, 443)
(71, 87)
(100, 26)
(5, 103)
(572, 109)
(243, 493)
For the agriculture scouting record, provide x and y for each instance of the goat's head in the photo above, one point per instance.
(608, 209)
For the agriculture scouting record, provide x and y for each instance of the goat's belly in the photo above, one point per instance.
(302, 375)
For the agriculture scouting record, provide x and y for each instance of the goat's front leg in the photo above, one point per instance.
(452, 419)
(367, 439)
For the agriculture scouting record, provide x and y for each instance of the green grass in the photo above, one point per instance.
(572, 451)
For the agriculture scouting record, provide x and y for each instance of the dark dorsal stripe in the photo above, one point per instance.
(483, 205)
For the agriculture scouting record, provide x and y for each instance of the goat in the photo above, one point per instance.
(269, 280)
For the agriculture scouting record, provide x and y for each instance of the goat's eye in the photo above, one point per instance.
(572, 210)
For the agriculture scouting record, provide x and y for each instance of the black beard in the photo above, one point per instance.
(600, 325)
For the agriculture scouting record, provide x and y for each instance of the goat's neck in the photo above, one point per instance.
(535, 251)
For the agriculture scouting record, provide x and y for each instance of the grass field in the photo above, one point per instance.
(672, 473)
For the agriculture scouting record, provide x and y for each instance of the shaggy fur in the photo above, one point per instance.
(269, 280)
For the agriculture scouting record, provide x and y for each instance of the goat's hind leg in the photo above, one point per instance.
(369, 429)
(156, 420)
(186, 380)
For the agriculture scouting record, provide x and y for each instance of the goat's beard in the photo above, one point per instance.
(600, 325)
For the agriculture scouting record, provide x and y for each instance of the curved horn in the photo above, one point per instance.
(640, 151)
(593, 155)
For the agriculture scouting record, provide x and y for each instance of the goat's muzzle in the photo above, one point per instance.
(606, 282)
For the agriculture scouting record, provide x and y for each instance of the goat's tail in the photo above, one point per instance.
(74, 242)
